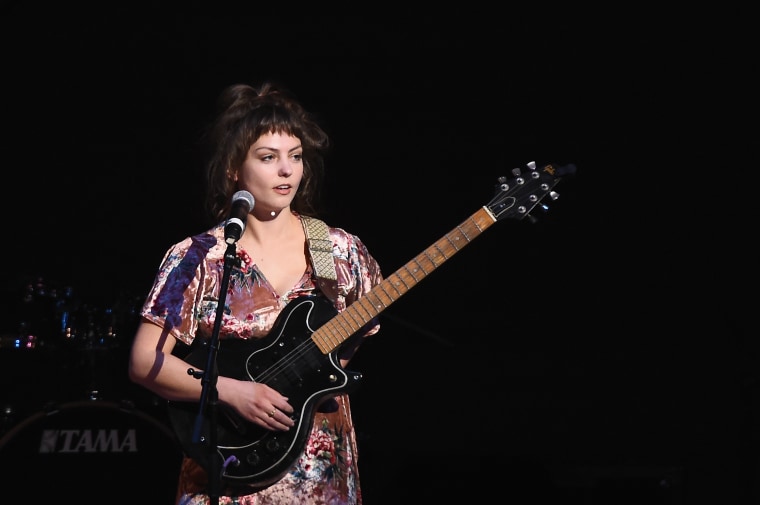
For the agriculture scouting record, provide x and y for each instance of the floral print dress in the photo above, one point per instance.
(183, 301)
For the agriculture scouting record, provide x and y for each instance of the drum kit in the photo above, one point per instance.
(70, 416)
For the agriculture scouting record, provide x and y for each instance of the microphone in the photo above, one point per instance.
(242, 205)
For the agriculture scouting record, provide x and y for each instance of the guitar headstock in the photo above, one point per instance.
(517, 197)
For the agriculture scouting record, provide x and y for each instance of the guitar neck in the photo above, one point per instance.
(338, 329)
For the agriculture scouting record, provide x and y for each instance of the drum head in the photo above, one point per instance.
(90, 452)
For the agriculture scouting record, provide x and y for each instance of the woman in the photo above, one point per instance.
(265, 143)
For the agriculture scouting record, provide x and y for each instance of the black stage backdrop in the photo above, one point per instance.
(602, 354)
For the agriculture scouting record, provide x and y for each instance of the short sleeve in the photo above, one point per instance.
(182, 281)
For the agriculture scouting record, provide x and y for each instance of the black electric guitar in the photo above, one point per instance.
(299, 358)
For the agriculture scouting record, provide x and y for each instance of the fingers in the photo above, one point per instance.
(265, 406)
(277, 419)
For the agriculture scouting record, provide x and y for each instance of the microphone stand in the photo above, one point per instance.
(209, 394)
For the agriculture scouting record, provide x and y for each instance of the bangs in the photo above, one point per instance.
(273, 118)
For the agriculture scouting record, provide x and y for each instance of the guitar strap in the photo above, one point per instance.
(320, 248)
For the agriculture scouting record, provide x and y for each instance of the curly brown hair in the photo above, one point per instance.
(244, 113)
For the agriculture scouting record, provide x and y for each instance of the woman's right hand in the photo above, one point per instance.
(256, 402)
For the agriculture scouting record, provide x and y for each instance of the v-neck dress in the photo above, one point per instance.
(184, 299)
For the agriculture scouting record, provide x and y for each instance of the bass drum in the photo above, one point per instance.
(90, 452)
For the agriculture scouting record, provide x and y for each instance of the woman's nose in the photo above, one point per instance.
(285, 168)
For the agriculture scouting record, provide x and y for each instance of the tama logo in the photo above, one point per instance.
(88, 441)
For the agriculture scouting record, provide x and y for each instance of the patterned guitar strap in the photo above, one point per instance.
(321, 252)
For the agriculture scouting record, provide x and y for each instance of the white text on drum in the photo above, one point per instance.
(86, 441)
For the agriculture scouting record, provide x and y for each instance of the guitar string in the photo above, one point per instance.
(282, 365)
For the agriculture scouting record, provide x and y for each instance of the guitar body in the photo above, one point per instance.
(288, 361)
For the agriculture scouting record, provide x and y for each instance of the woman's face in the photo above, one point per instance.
(272, 172)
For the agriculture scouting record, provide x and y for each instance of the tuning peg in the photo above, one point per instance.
(531, 165)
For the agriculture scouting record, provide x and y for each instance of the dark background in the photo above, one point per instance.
(600, 355)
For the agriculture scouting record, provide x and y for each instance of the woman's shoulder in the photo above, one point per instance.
(343, 238)
(344, 243)
(204, 241)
